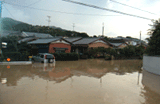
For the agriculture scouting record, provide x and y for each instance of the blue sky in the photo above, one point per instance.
(91, 21)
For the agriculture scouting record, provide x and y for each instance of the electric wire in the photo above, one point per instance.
(34, 3)
(59, 11)
(8, 11)
(93, 6)
(132, 7)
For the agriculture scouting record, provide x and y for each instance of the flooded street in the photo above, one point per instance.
(93, 81)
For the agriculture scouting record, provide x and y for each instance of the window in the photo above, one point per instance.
(60, 51)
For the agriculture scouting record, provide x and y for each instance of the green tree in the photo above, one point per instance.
(154, 40)
(14, 50)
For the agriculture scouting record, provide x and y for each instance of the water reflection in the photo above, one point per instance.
(71, 81)
(151, 91)
(15, 73)
(64, 70)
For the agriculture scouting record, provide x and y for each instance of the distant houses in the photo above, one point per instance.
(46, 43)
(37, 35)
(117, 43)
(51, 45)
(82, 45)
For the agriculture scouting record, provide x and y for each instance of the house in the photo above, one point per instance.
(6, 33)
(82, 45)
(117, 43)
(37, 35)
(60, 46)
(72, 40)
(50, 45)
(27, 39)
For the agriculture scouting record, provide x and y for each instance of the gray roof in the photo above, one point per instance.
(10, 33)
(26, 39)
(116, 44)
(44, 41)
(72, 39)
(39, 35)
(86, 41)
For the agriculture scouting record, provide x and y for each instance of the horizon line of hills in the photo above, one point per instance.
(10, 24)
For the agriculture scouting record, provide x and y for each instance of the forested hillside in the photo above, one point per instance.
(11, 24)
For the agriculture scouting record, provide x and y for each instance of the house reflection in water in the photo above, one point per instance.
(59, 76)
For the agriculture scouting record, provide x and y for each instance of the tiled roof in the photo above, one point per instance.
(72, 39)
(44, 41)
(116, 44)
(10, 33)
(39, 35)
(85, 41)
(26, 39)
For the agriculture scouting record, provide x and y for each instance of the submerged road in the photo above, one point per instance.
(93, 81)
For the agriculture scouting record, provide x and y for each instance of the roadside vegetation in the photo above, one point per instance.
(15, 51)
(153, 48)
(66, 56)
(129, 52)
(20, 52)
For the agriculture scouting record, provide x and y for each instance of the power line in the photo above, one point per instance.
(93, 6)
(34, 3)
(133, 7)
(8, 11)
(59, 11)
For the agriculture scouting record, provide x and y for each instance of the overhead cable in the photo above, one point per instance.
(34, 3)
(132, 7)
(93, 6)
(59, 11)
(8, 11)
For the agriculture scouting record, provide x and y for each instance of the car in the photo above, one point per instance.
(44, 58)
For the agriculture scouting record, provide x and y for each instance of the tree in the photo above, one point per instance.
(94, 36)
(14, 50)
(154, 40)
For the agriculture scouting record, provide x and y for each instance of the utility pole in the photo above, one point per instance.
(73, 26)
(49, 17)
(103, 29)
(1, 2)
(140, 38)
(73, 29)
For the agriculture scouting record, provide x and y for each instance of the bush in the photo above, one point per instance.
(66, 56)
(14, 56)
(107, 57)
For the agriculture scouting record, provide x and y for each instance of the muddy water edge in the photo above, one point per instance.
(93, 81)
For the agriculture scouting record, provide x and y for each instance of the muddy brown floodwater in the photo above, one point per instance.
(93, 81)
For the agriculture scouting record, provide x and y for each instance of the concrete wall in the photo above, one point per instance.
(151, 81)
(151, 64)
